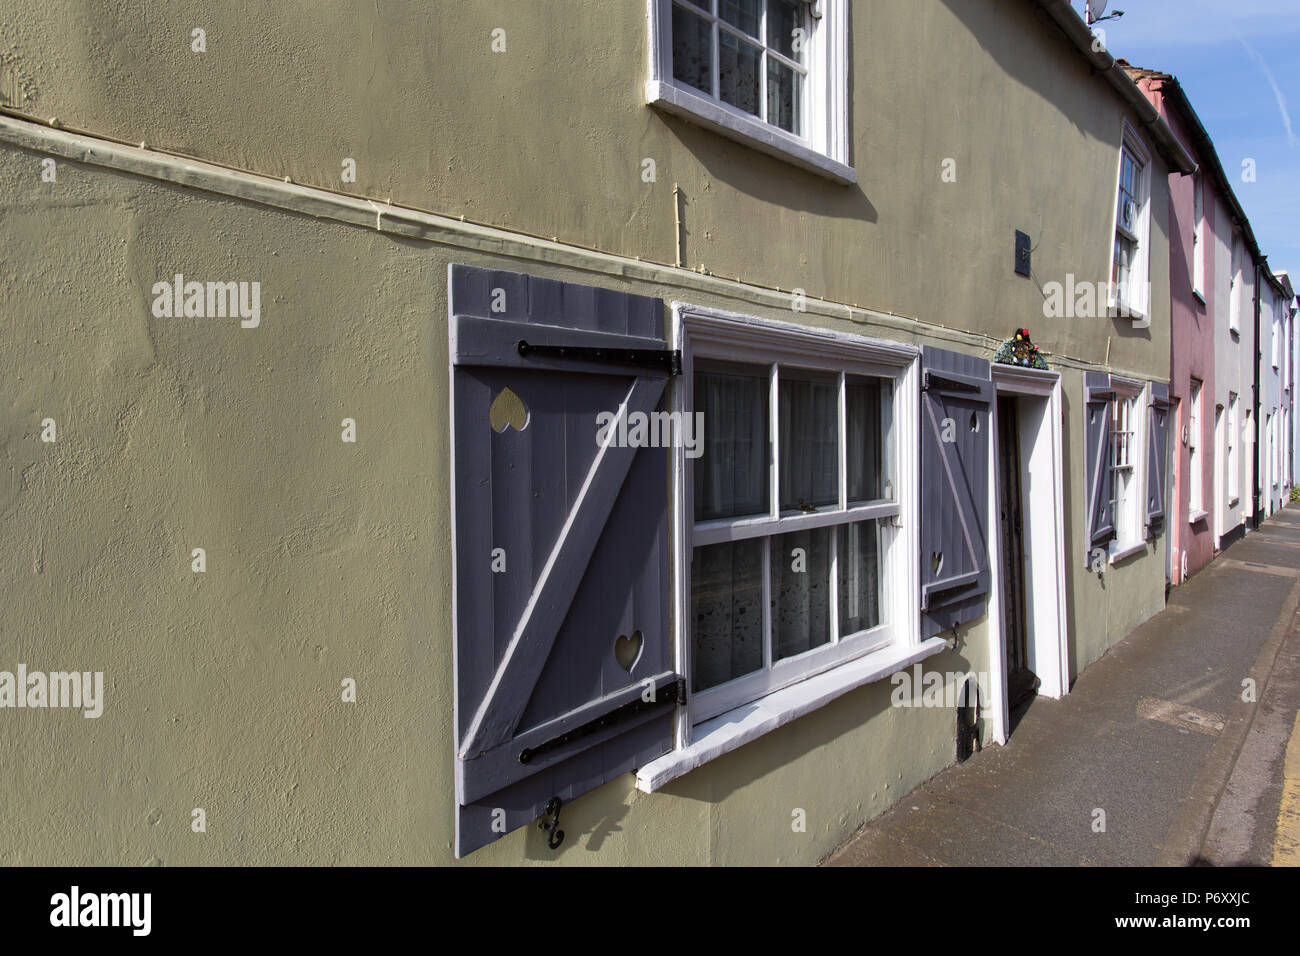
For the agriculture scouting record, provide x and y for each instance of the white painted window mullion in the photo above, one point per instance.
(774, 430)
(767, 603)
(762, 63)
(774, 481)
(714, 60)
(842, 442)
(833, 533)
(843, 426)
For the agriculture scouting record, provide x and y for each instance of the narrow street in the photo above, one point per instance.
(1157, 756)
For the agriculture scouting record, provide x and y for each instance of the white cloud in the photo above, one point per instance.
(1277, 92)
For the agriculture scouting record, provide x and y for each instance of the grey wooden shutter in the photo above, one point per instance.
(956, 401)
(1157, 468)
(1097, 396)
(543, 706)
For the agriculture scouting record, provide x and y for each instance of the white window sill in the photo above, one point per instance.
(1200, 514)
(1132, 313)
(1127, 551)
(746, 129)
(735, 728)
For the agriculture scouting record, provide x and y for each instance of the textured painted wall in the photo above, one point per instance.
(1230, 369)
(548, 138)
(325, 560)
(1192, 353)
(1270, 394)
(1103, 609)
(328, 560)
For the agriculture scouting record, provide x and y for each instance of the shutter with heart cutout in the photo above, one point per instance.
(956, 402)
(564, 676)
(1097, 398)
(1157, 467)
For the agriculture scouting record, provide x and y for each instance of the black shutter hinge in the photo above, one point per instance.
(947, 384)
(674, 692)
(668, 360)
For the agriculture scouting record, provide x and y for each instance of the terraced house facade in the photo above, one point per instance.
(1214, 261)
(620, 424)
(1276, 314)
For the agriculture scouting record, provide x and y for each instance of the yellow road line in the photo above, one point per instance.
(1286, 842)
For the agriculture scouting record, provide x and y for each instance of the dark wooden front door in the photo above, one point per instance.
(1021, 681)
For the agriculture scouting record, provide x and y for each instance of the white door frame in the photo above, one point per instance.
(1268, 464)
(1043, 498)
(1220, 463)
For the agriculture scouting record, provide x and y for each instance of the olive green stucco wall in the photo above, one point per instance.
(548, 138)
(329, 560)
(326, 560)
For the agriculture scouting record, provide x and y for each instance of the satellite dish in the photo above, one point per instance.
(1093, 10)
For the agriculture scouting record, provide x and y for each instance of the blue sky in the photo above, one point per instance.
(1239, 62)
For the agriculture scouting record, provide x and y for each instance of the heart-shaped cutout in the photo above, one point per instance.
(936, 561)
(507, 411)
(627, 650)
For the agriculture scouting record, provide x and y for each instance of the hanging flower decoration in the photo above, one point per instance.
(1018, 350)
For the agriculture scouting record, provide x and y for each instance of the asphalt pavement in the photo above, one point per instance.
(1168, 750)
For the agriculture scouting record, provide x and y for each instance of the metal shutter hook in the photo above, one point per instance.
(554, 835)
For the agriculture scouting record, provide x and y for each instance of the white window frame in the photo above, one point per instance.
(1287, 328)
(824, 147)
(1133, 299)
(714, 333)
(1282, 426)
(1198, 237)
(1274, 440)
(1236, 290)
(795, 349)
(1129, 531)
(1234, 441)
(1285, 332)
(1195, 470)
(1276, 332)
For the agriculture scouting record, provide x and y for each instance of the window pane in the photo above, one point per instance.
(1128, 191)
(783, 16)
(731, 476)
(1119, 432)
(742, 14)
(738, 76)
(727, 612)
(868, 408)
(859, 576)
(809, 441)
(1125, 171)
(784, 105)
(692, 43)
(1124, 250)
(801, 574)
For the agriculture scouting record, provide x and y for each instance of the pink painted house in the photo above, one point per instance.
(1210, 248)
